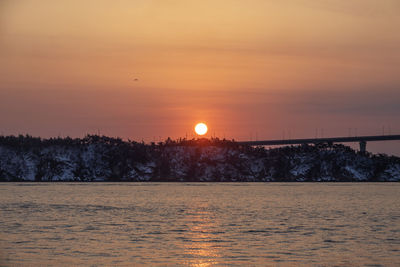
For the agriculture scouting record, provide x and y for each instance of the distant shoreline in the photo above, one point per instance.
(195, 182)
(105, 159)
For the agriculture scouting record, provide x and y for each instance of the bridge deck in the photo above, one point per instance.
(321, 140)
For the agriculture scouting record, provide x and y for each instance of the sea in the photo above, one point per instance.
(200, 224)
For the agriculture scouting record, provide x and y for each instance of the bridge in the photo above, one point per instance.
(362, 140)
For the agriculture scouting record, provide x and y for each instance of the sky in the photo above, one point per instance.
(151, 69)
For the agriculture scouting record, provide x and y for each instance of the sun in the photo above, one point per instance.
(201, 128)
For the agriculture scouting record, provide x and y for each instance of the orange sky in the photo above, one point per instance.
(265, 68)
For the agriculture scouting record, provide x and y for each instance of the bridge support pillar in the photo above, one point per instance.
(363, 146)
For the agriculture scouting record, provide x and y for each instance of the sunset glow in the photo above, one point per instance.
(147, 70)
(166, 132)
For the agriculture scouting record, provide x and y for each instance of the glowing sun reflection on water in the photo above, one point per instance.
(201, 247)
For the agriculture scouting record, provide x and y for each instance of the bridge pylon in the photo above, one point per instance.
(363, 146)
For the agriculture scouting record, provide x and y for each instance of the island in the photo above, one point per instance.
(101, 158)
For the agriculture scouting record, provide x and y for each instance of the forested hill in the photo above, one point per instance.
(101, 158)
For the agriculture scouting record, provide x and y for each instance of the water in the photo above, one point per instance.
(200, 224)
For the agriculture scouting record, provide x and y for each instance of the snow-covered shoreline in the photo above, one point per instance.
(100, 158)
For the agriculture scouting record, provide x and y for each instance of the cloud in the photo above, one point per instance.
(364, 8)
(374, 102)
